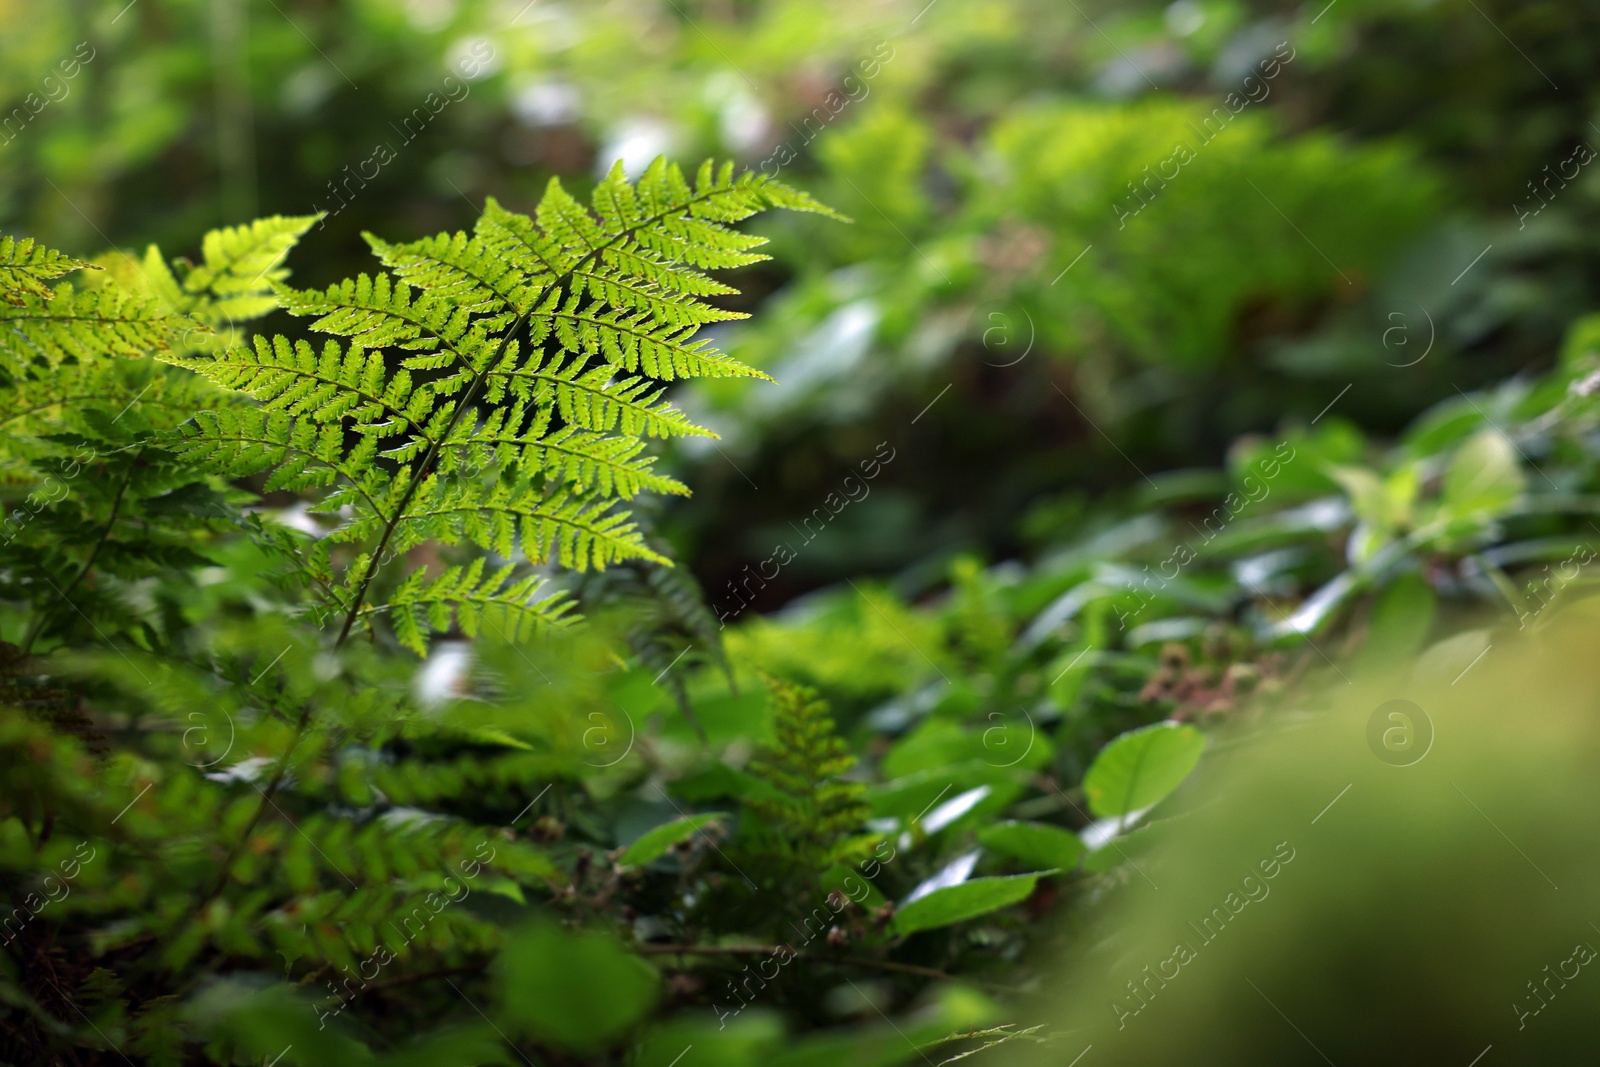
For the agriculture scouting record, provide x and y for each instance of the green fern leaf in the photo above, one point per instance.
(513, 376)
(84, 326)
(26, 266)
(512, 610)
(815, 808)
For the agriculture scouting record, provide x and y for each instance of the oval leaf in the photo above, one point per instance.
(1037, 844)
(574, 989)
(959, 903)
(655, 843)
(1140, 768)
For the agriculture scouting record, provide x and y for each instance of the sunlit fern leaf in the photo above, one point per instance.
(521, 434)
(510, 609)
(329, 387)
(589, 396)
(301, 454)
(567, 529)
(25, 267)
(233, 282)
(42, 332)
(512, 376)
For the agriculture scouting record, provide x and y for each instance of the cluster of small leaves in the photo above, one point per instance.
(814, 809)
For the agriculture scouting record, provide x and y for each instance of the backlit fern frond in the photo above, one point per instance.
(511, 376)
(25, 267)
(39, 332)
(234, 281)
(498, 604)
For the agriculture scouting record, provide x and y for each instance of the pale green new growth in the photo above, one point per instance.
(234, 282)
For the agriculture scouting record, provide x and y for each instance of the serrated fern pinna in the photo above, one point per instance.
(493, 389)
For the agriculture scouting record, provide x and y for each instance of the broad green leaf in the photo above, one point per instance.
(1484, 478)
(958, 903)
(1035, 843)
(577, 990)
(655, 842)
(1140, 768)
(1402, 617)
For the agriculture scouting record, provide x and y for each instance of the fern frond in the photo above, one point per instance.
(334, 386)
(610, 465)
(517, 369)
(460, 270)
(25, 266)
(302, 455)
(568, 529)
(234, 281)
(510, 609)
(378, 312)
(591, 397)
(640, 340)
(79, 325)
(815, 808)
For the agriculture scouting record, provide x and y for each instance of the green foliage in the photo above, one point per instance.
(813, 807)
(1037, 844)
(573, 317)
(1140, 768)
(959, 903)
(654, 843)
(575, 990)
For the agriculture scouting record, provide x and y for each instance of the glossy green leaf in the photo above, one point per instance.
(958, 903)
(1037, 844)
(654, 843)
(1140, 768)
(1484, 478)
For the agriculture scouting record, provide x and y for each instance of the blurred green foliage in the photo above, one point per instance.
(1181, 363)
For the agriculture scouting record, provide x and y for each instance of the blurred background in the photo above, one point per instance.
(1076, 259)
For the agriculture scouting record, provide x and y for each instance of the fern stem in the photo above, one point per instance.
(429, 459)
(88, 564)
(278, 775)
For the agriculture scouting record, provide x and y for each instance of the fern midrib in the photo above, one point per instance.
(480, 379)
